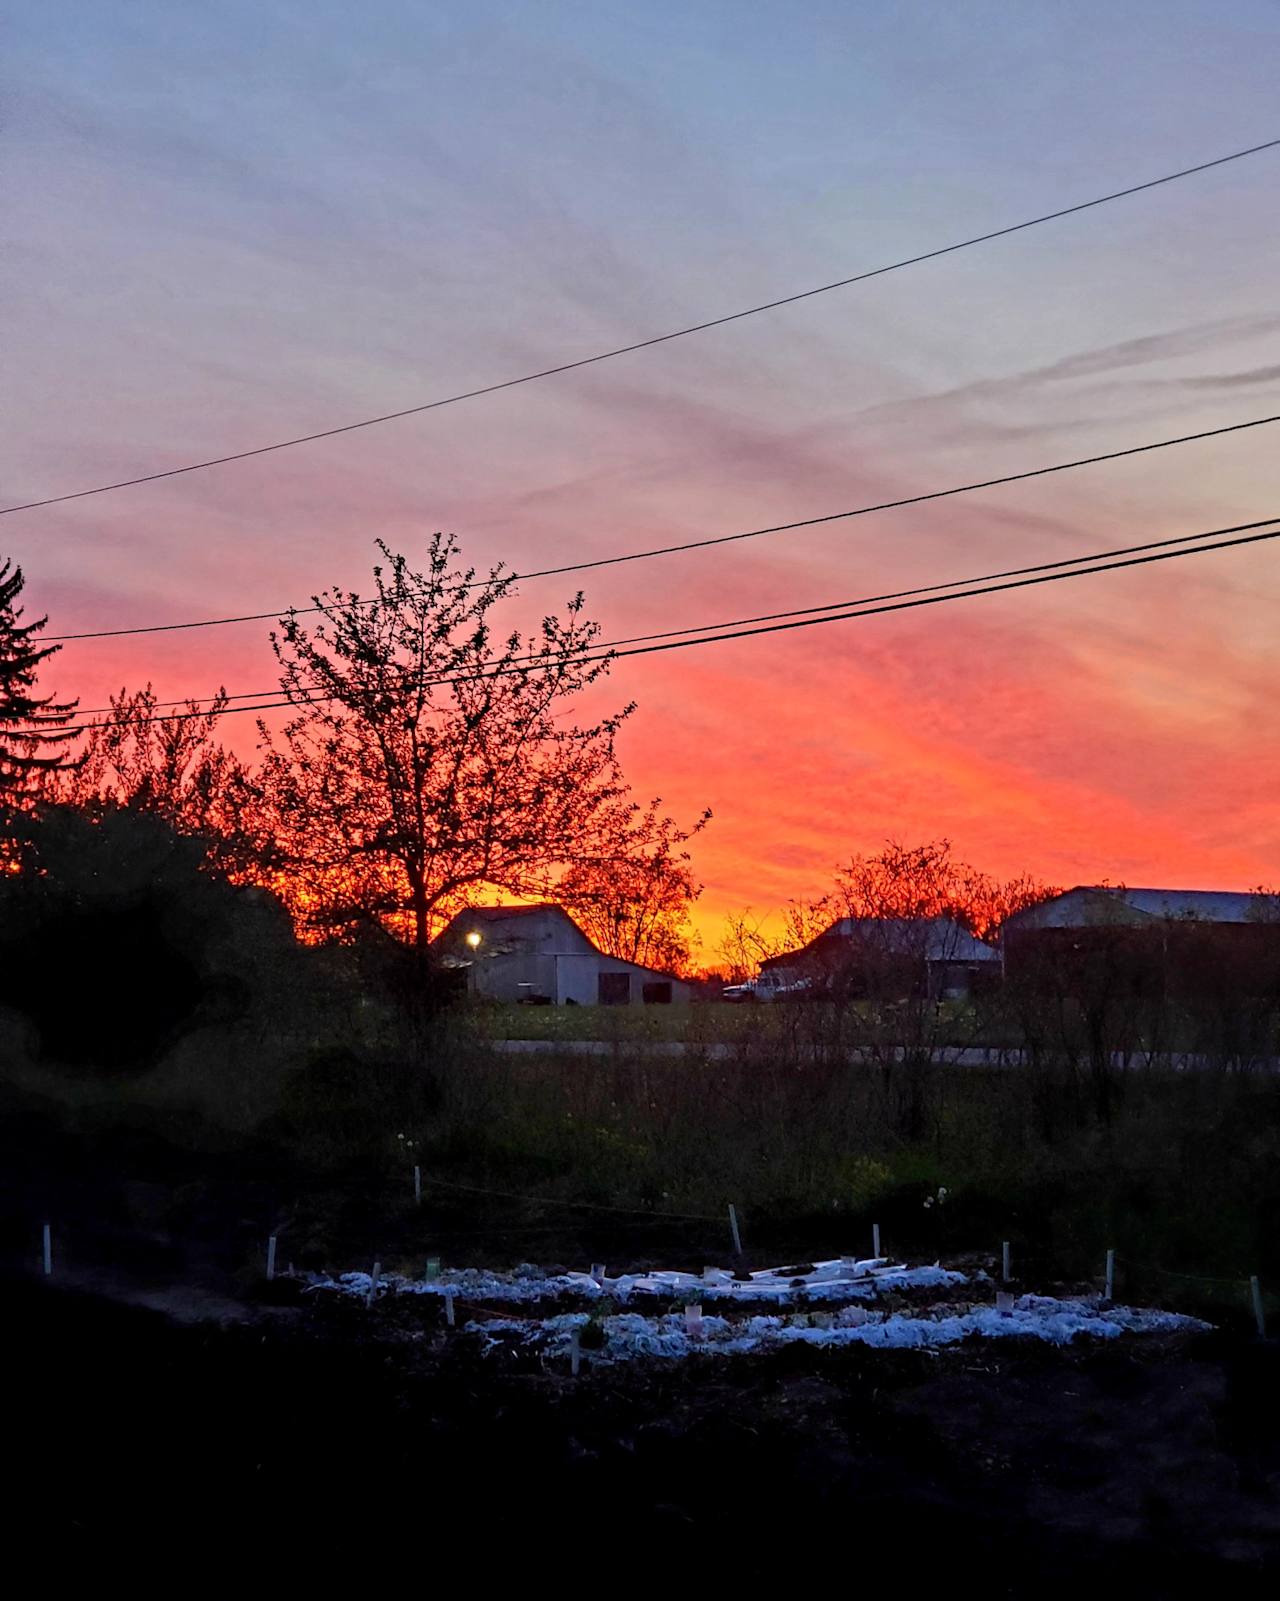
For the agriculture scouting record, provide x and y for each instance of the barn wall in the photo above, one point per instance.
(578, 980)
(501, 978)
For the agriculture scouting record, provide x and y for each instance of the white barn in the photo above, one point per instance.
(539, 954)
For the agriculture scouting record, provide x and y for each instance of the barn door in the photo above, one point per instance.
(613, 989)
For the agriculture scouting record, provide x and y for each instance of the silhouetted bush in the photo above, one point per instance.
(116, 939)
(68, 974)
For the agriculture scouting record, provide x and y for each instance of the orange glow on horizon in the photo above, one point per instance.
(408, 212)
(1031, 748)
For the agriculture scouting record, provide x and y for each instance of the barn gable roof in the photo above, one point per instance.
(503, 914)
(452, 935)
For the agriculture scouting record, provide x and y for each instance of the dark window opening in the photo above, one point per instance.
(614, 989)
(657, 992)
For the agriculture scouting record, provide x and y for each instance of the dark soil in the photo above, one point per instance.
(1148, 1467)
(156, 1412)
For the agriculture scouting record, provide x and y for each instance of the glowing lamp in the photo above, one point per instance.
(474, 938)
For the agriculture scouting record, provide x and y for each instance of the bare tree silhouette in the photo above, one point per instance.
(430, 759)
(636, 907)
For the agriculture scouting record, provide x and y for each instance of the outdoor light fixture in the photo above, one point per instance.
(473, 939)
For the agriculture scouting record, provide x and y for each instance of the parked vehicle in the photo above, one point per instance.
(783, 984)
(770, 986)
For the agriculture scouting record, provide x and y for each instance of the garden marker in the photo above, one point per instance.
(1259, 1311)
(1004, 1303)
(271, 1257)
(733, 1226)
(848, 1266)
(1111, 1276)
(433, 1269)
(417, 1185)
(575, 1352)
(875, 1240)
(597, 1273)
(1005, 1273)
(48, 1250)
(693, 1322)
(373, 1284)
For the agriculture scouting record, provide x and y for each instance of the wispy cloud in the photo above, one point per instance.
(956, 406)
(1254, 377)
(1151, 348)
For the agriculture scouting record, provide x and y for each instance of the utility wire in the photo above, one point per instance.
(978, 587)
(195, 701)
(718, 539)
(646, 344)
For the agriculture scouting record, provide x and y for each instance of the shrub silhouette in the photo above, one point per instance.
(70, 974)
(115, 938)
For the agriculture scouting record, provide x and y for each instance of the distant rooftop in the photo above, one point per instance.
(937, 939)
(500, 914)
(1086, 902)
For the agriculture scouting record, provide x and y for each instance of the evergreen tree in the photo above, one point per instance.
(33, 729)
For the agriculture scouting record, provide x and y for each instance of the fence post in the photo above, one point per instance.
(47, 1250)
(733, 1226)
(417, 1185)
(271, 1257)
(373, 1284)
(875, 1241)
(1111, 1276)
(1005, 1271)
(1259, 1311)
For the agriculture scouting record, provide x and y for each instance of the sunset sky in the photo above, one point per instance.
(229, 224)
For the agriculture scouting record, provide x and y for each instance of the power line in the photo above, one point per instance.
(717, 539)
(979, 586)
(966, 594)
(195, 701)
(645, 344)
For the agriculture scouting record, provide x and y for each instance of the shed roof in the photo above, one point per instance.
(937, 939)
(1091, 903)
